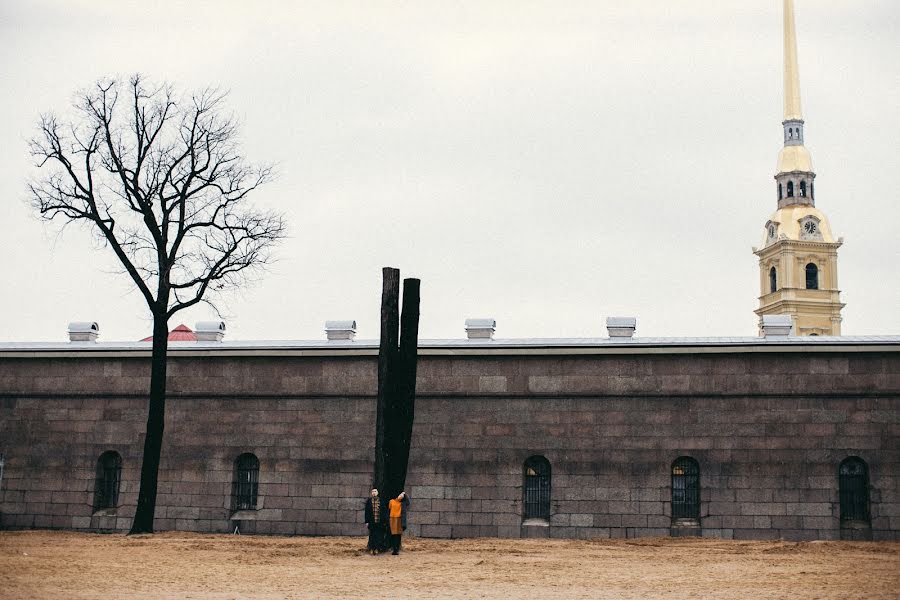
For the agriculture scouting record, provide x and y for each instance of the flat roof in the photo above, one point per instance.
(463, 347)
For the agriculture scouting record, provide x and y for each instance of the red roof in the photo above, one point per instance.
(180, 334)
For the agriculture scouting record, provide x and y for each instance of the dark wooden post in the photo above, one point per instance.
(406, 376)
(395, 409)
(387, 358)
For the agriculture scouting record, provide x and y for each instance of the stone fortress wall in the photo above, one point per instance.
(767, 425)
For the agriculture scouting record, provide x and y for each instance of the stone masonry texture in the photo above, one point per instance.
(767, 429)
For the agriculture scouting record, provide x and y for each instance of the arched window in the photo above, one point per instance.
(685, 489)
(537, 488)
(109, 473)
(812, 190)
(790, 189)
(853, 483)
(780, 192)
(773, 280)
(245, 487)
(812, 276)
(803, 189)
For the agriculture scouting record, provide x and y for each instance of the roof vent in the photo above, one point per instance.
(340, 330)
(481, 329)
(83, 331)
(621, 327)
(210, 331)
(777, 326)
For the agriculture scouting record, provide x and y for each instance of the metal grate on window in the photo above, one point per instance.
(245, 488)
(812, 277)
(109, 474)
(685, 489)
(537, 488)
(853, 483)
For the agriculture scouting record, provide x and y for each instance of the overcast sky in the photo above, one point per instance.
(547, 164)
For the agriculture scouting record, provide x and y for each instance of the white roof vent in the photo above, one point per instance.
(340, 330)
(84, 331)
(481, 329)
(777, 326)
(210, 331)
(621, 327)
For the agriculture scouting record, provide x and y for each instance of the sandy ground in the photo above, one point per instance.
(41, 564)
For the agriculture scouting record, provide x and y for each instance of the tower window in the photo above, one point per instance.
(812, 190)
(803, 189)
(685, 489)
(780, 192)
(812, 276)
(537, 488)
(245, 487)
(790, 189)
(773, 280)
(853, 483)
(109, 473)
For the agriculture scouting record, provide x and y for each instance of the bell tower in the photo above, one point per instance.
(798, 257)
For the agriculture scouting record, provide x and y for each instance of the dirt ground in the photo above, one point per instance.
(43, 564)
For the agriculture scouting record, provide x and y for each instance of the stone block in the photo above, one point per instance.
(756, 534)
(582, 520)
(724, 534)
(763, 508)
(809, 509)
(631, 521)
(492, 384)
(444, 505)
(455, 518)
(429, 491)
(466, 531)
(81, 522)
(811, 523)
(436, 531)
(607, 520)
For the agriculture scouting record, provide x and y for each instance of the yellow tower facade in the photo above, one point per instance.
(798, 256)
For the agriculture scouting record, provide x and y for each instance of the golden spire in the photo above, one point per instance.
(792, 109)
(794, 156)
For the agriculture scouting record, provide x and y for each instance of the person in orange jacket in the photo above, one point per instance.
(397, 509)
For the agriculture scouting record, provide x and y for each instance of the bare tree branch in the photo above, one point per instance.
(162, 183)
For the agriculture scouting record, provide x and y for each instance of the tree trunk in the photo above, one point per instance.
(406, 377)
(156, 417)
(387, 359)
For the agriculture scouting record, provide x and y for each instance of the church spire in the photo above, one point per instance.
(795, 173)
(792, 110)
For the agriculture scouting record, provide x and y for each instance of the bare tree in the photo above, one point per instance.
(158, 179)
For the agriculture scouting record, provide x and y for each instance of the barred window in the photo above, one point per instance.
(537, 488)
(685, 488)
(812, 276)
(853, 483)
(245, 487)
(109, 473)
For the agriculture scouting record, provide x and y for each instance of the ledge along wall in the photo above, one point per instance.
(768, 430)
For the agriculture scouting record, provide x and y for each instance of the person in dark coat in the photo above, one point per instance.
(376, 519)
(398, 508)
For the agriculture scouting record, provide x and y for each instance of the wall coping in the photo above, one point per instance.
(464, 347)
